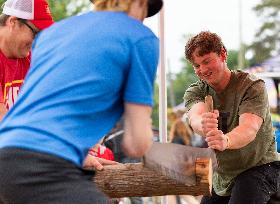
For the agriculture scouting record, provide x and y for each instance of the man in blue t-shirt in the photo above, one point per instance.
(86, 72)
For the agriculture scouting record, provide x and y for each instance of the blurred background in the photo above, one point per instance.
(250, 31)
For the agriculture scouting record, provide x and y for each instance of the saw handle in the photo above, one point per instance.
(209, 103)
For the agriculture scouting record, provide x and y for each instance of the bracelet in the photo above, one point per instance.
(228, 142)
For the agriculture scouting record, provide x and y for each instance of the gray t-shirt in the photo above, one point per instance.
(244, 94)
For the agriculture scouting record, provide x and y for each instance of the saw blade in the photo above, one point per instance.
(176, 161)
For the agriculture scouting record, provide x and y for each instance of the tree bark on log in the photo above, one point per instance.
(135, 180)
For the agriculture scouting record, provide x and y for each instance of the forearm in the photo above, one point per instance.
(137, 143)
(195, 117)
(137, 130)
(196, 123)
(240, 137)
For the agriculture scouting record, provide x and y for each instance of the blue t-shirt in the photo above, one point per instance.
(83, 69)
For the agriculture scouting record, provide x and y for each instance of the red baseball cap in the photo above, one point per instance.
(36, 11)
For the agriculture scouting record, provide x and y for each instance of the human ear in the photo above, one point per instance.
(11, 20)
(224, 54)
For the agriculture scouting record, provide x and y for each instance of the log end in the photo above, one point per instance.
(204, 173)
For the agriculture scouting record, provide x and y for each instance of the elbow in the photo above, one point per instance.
(253, 134)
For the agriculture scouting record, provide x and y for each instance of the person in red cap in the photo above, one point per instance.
(20, 22)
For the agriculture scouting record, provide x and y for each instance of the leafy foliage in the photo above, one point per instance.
(181, 81)
(1, 3)
(66, 8)
(232, 59)
(267, 38)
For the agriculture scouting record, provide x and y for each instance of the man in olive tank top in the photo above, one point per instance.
(239, 129)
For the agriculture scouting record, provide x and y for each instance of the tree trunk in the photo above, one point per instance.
(135, 180)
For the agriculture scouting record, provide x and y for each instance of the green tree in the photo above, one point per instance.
(1, 3)
(232, 59)
(267, 38)
(65, 8)
(181, 81)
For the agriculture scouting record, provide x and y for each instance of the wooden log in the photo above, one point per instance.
(135, 180)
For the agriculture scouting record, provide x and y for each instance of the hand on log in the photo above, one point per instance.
(96, 163)
(135, 180)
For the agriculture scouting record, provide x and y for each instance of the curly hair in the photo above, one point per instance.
(206, 42)
(112, 5)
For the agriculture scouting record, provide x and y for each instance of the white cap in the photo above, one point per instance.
(37, 11)
(19, 8)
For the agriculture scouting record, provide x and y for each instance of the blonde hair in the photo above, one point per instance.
(180, 129)
(112, 5)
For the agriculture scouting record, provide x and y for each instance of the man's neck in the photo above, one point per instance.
(138, 10)
(4, 44)
(224, 82)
